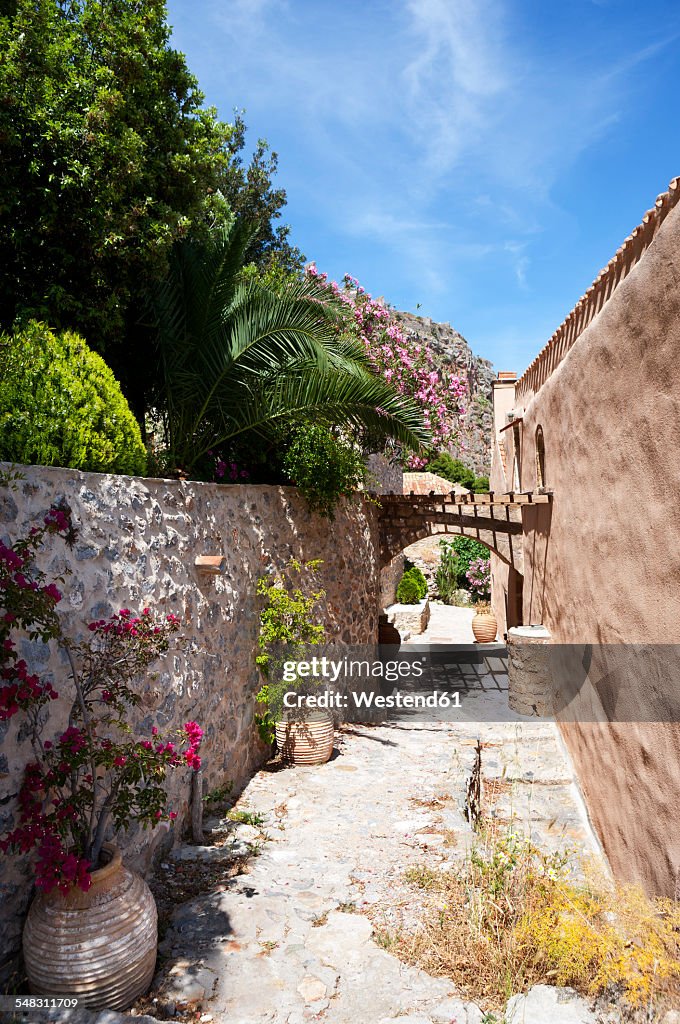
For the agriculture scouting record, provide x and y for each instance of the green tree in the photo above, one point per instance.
(447, 574)
(108, 157)
(240, 362)
(452, 469)
(251, 194)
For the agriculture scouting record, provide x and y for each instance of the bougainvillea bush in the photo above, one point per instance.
(403, 361)
(95, 775)
(479, 578)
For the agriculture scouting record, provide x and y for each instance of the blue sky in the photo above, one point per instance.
(481, 158)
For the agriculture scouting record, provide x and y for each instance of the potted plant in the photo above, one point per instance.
(287, 625)
(484, 623)
(91, 930)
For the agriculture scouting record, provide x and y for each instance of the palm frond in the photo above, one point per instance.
(238, 357)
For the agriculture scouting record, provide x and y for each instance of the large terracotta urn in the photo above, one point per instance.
(484, 626)
(308, 740)
(98, 945)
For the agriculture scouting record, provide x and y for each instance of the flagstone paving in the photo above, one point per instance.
(294, 939)
(297, 937)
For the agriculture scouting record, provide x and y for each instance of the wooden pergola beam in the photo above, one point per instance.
(511, 499)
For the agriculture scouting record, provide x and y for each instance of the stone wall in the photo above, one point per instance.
(409, 619)
(389, 580)
(602, 564)
(138, 540)
(385, 477)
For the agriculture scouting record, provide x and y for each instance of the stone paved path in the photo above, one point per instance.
(447, 625)
(292, 940)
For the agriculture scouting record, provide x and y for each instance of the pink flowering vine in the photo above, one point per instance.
(403, 361)
(95, 775)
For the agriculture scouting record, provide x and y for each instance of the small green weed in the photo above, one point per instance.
(423, 877)
(246, 817)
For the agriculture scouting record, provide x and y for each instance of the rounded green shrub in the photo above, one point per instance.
(408, 591)
(60, 405)
(451, 469)
(416, 574)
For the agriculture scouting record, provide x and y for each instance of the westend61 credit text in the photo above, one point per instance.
(396, 699)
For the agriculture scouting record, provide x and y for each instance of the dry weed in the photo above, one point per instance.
(512, 917)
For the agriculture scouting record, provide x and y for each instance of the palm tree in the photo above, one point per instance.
(240, 360)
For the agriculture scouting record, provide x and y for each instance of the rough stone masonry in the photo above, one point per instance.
(137, 545)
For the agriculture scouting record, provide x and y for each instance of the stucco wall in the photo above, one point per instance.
(137, 543)
(500, 480)
(603, 566)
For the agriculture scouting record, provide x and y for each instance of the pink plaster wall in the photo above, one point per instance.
(500, 480)
(603, 566)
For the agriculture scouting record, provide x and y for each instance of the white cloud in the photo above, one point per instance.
(519, 260)
(433, 131)
(462, 68)
(238, 16)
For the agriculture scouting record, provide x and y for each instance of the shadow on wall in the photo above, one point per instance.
(537, 526)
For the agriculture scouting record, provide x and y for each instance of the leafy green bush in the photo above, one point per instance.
(409, 590)
(481, 485)
(416, 574)
(287, 622)
(467, 551)
(452, 469)
(325, 467)
(60, 405)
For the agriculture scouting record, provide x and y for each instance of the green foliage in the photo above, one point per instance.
(417, 575)
(251, 195)
(467, 550)
(246, 817)
(108, 154)
(324, 466)
(60, 405)
(288, 619)
(412, 587)
(242, 362)
(481, 485)
(108, 157)
(452, 469)
(407, 591)
(218, 796)
(446, 577)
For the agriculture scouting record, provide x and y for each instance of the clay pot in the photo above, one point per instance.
(308, 741)
(484, 627)
(99, 945)
(388, 634)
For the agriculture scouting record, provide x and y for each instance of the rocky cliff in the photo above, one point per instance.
(451, 350)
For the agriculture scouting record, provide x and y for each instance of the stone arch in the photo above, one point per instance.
(405, 520)
(500, 546)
